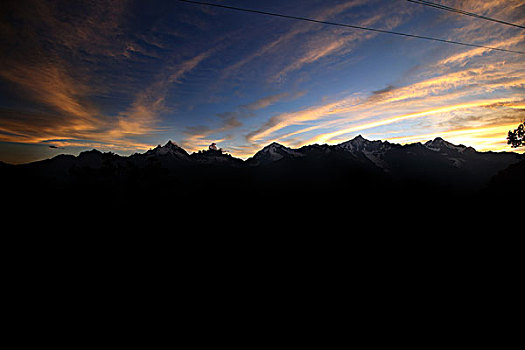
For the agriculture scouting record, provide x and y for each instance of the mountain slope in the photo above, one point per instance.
(272, 153)
(357, 167)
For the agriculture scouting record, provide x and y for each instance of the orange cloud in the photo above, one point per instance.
(323, 138)
(492, 138)
(51, 85)
(431, 94)
(283, 120)
(72, 117)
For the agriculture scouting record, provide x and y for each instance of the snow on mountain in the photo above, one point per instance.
(456, 154)
(272, 153)
(354, 165)
(439, 145)
(433, 157)
(360, 144)
(169, 149)
(374, 151)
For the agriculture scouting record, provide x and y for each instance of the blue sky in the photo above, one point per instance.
(124, 76)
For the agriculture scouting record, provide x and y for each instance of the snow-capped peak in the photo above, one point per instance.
(171, 144)
(360, 144)
(359, 139)
(273, 152)
(438, 144)
(278, 150)
(275, 146)
(356, 143)
(170, 148)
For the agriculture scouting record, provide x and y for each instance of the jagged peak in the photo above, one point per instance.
(273, 152)
(171, 144)
(277, 148)
(90, 152)
(170, 148)
(275, 145)
(438, 143)
(358, 140)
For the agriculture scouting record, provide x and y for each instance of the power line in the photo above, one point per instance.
(347, 25)
(451, 9)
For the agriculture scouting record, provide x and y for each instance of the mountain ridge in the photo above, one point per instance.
(359, 168)
(357, 144)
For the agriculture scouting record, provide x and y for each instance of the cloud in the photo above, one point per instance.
(323, 138)
(451, 85)
(90, 27)
(63, 61)
(266, 101)
(282, 42)
(463, 57)
(338, 42)
(482, 138)
(63, 65)
(180, 70)
(53, 86)
(198, 136)
(144, 113)
(50, 84)
(283, 120)
(384, 91)
(31, 127)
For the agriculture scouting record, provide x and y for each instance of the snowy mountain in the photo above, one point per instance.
(360, 144)
(272, 153)
(170, 149)
(357, 167)
(440, 145)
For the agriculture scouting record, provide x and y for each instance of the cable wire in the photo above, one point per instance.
(347, 26)
(462, 12)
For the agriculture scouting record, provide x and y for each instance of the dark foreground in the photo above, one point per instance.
(398, 225)
(360, 177)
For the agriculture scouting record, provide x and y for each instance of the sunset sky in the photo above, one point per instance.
(125, 76)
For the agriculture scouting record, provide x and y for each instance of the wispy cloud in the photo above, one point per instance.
(277, 45)
(50, 84)
(323, 138)
(76, 118)
(142, 117)
(85, 75)
(454, 85)
(481, 138)
(266, 101)
(197, 137)
(338, 42)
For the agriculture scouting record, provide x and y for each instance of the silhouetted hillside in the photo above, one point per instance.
(509, 183)
(373, 173)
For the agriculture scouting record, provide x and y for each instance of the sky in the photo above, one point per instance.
(126, 76)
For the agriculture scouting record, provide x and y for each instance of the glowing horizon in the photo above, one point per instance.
(156, 71)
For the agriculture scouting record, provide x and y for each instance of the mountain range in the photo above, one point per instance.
(358, 168)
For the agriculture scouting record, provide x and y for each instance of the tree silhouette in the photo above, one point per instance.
(516, 138)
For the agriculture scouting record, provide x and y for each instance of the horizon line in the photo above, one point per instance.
(273, 142)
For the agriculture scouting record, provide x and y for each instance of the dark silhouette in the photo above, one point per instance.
(516, 138)
(353, 177)
(213, 147)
